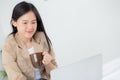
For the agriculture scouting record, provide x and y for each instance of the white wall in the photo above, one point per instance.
(77, 28)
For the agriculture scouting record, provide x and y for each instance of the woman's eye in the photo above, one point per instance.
(33, 22)
(25, 23)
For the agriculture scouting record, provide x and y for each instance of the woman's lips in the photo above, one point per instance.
(29, 32)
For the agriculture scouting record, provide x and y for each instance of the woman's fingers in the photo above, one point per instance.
(44, 53)
(46, 58)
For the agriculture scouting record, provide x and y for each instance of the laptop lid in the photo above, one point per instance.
(87, 69)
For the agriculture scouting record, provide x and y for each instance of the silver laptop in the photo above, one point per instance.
(87, 69)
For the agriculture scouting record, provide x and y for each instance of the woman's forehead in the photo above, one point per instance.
(30, 16)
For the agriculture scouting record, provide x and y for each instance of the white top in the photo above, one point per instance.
(36, 70)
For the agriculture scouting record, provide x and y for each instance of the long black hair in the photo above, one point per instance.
(24, 7)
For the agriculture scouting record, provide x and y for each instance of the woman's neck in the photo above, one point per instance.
(26, 41)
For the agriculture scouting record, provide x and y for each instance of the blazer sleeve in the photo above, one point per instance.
(53, 63)
(9, 63)
(40, 37)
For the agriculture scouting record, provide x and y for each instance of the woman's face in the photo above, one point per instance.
(26, 25)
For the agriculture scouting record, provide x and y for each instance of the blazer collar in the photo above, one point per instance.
(21, 44)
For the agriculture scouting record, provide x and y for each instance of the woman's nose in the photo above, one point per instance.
(30, 26)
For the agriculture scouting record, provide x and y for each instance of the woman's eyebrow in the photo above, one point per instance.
(31, 20)
(34, 20)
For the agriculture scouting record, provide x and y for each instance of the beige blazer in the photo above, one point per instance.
(16, 60)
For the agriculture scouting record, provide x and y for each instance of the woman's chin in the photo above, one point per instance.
(29, 35)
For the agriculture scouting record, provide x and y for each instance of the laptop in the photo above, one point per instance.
(87, 69)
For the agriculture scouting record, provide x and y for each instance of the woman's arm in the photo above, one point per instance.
(52, 64)
(9, 63)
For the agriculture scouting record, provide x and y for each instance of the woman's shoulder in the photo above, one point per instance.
(39, 35)
(10, 40)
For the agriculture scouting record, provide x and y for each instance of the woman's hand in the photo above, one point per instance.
(47, 61)
(46, 58)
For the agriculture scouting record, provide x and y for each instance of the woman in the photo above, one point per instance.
(28, 33)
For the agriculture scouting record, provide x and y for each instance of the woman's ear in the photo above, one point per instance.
(14, 23)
